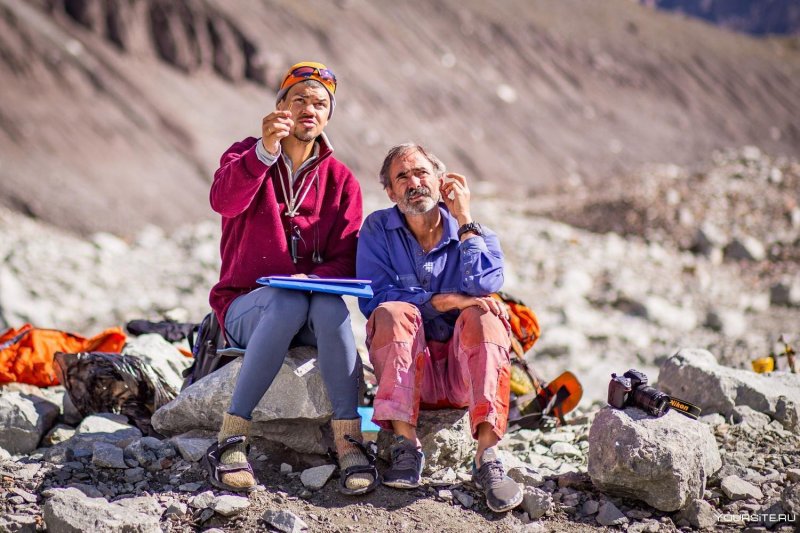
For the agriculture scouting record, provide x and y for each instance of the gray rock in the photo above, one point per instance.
(707, 239)
(285, 521)
(192, 449)
(177, 508)
(88, 490)
(790, 499)
(69, 510)
(700, 514)
(590, 507)
(729, 322)
(60, 433)
(315, 478)
(143, 454)
(609, 515)
(536, 502)
(445, 476)
(162, 357)
(286, 468)
(134, 475)
(202, 500)
(695, 376)
(190, 487)
(107, 427)
(525, 475)
(565, 449)
(229, 505)
(735, 488)
(108, 456)
(793, 474)
(785, 294)
(445, 436)
(17, 523)
(141, 504)
(745, 248)
(24, 420)
(646, 458)
(292, 411)
(4, 455)
(743, 414)
(464, 498)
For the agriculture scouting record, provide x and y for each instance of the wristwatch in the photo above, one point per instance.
(474, 227)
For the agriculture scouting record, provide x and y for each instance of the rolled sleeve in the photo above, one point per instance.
(481, 265)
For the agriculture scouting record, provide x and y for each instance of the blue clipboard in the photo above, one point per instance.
(358, 288)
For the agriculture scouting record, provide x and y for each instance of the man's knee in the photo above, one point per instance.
(478, 326)
(394, 321)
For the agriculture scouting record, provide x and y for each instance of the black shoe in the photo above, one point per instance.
(407, 463)
(502, 492)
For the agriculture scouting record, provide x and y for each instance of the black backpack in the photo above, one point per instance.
(209, 349)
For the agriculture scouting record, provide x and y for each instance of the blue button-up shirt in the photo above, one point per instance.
(390, 256)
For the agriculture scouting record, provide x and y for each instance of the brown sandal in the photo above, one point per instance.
(216, 469)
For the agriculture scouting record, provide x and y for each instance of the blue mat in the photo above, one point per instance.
(367, 426)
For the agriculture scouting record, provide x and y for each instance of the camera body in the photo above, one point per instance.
(631, 390)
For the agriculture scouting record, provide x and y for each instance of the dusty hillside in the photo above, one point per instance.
(114, 112)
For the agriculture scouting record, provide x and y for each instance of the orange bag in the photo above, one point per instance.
(26, 354)
(523, 321)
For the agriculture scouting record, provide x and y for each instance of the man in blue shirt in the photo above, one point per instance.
(436, 337)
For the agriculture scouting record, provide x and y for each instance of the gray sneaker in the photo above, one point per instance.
(407, 462)
(502, 492)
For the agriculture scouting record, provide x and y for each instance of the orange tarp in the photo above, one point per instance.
(26, 354)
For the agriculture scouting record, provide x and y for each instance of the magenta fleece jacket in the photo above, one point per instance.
(255, 229)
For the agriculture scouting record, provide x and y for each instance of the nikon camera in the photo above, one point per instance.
(631, 390)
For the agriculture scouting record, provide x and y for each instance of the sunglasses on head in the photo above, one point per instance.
(324, 76)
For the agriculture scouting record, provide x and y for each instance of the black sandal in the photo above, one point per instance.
(216, 469)
(370, 451)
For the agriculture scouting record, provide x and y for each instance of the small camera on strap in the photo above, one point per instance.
(631, 390)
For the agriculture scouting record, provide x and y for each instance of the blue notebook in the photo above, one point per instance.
(349, 287)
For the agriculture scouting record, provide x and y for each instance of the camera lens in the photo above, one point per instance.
(650, 400)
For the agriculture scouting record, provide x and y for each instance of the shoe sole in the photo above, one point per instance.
(503, 509)
(506, 508)
(401, 484)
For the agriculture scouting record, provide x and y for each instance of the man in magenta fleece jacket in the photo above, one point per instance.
(288, 208)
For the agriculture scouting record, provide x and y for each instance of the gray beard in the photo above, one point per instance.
(420, 208)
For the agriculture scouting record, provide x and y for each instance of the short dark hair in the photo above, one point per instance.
(402, 149)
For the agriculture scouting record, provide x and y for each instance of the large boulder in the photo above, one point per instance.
(663, 461)
(292, 412)
(694, 375)
(24, 420)
(70, 510)
(445, 436)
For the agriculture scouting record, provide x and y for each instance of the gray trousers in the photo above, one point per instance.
(268, 321)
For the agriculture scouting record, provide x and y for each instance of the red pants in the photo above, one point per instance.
(471, 370)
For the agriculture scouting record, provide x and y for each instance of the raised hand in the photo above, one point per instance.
(275, 127)
(456, 195)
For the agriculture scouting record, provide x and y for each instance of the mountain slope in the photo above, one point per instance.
(115, 112)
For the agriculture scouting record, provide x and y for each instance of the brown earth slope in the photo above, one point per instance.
(114, 112)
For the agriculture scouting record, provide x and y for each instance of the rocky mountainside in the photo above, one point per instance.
(751, 16)
(114, 112)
